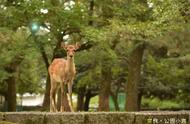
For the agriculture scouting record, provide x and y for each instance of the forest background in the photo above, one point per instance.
(137, 49)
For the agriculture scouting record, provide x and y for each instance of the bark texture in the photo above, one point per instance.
(134, 77)
(105, 86)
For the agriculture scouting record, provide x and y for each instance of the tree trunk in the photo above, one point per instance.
(115, 101)
(139, 101)
(11, 82)
(46, 100)
(55, 2)
(87, 100)
(66, 103)
(91, 11)
(80, 99)
(11, 94)
(134, 77)
(105, 86)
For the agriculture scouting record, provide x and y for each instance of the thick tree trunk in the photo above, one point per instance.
(105, 86)
(87, 100)
(80, 99)
(134, 77)
(11, 94)
(104, 97)
(11, 82)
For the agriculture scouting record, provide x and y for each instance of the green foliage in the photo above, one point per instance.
(17, 47)
(166, 79)
(14, 47)
(31, 75)
(155, 103)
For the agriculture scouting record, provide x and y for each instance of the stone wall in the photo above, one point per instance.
(158, 117)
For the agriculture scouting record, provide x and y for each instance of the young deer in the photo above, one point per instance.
(62, 71)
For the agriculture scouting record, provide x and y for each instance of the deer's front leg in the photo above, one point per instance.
(52, 96)
(62, 96)
(70, 84)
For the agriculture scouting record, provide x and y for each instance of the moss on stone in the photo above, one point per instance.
(6, 122)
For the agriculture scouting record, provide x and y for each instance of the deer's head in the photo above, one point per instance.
(70, 49)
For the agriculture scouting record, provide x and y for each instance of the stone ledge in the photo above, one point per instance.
(145, 117)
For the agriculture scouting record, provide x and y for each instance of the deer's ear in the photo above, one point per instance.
(77, 46)
(63, 45)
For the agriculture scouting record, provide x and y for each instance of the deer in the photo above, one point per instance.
(62, 72)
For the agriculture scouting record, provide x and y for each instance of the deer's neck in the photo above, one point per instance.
(70, 64)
